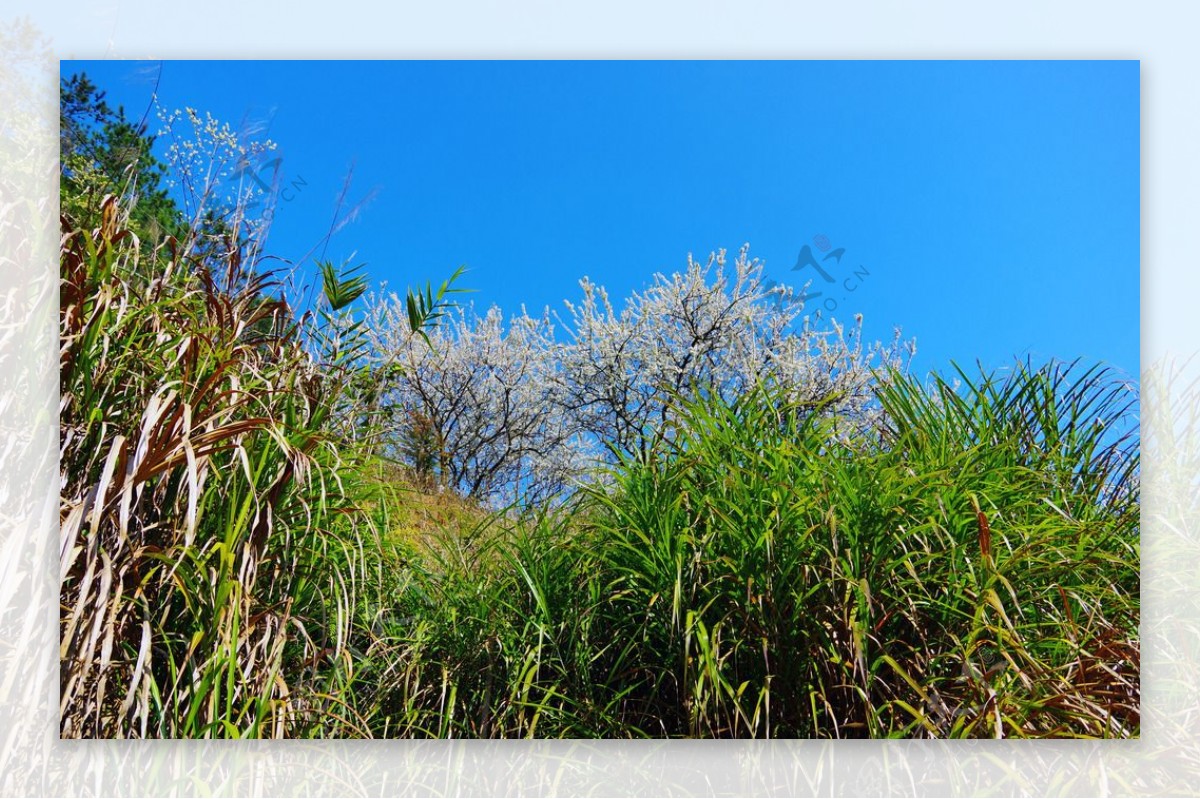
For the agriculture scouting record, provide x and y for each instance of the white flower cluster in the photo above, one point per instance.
(518, 410)
(216, 169)
(487, 390)
(709, 331)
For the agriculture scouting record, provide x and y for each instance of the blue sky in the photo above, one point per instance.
(990, 209)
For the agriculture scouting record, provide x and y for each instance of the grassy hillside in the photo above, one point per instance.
(239, 560)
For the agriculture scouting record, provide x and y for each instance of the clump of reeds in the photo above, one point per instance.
(208, 569)
(973, 572)
(970, 571)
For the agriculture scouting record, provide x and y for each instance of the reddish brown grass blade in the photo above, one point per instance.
(985, 536)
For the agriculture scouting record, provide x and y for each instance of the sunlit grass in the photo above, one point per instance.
(209, 571)
(973, 573)
(764, 577)
(237, 563)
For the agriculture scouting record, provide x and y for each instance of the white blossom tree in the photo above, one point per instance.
(473, 404)
(705, 330)
(517, 411)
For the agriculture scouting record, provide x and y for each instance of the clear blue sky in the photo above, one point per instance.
(994, 206)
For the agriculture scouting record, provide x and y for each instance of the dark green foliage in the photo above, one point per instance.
(103, 152)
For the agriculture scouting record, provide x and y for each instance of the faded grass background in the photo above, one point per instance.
(34, 761)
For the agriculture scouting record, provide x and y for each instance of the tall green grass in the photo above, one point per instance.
(237, 563)
(972, 571)
(211, 547)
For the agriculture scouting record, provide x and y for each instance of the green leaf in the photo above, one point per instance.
(426, 308)
(344, 286)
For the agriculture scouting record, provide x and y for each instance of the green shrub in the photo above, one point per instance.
(972, 572)
(209, 567)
